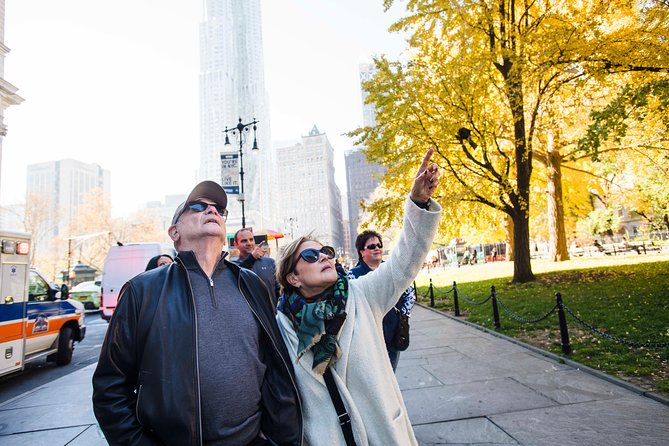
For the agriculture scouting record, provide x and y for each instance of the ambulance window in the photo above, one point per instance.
(38, 288)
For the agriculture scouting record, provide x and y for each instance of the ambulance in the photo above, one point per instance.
(37, 320)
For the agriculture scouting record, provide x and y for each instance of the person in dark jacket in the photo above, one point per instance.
(193, 355)
(255, 258)
(370, 255)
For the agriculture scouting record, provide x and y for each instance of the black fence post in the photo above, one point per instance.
(456, 304)
(564, 334)
(495, 311)
(431, 294)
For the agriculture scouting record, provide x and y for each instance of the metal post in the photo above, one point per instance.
(69, 260)
(431, 294)
(241, 175)
(456, 304)
(564, 334)
(495, 310)
(239, 130)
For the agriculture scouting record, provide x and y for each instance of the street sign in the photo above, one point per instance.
(230, 172)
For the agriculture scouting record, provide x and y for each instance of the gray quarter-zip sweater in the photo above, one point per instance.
(230, 367)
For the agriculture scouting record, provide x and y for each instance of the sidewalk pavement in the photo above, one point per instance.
(461, 385)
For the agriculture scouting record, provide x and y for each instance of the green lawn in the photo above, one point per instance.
(626, 297)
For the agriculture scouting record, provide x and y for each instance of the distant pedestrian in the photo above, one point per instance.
(494, 254)
(255, 258)
(370, 256)
(159, 260)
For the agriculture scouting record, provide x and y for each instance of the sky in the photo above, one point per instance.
(116, 83)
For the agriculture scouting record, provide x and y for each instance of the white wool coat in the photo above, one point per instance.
(363, 374)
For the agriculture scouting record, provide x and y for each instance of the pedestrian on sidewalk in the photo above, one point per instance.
(332, 328)
(193, 354)
(370, 256)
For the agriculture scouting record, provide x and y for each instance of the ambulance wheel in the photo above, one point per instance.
(65, 346)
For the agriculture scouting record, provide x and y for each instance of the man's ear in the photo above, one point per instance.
(293, 280)
(173, 233)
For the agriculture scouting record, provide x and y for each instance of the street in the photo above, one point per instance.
(41, 372)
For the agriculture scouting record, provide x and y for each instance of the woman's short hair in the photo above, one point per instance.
(361, 241)
(288, 260)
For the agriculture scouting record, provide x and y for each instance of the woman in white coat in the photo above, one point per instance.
(333, 329)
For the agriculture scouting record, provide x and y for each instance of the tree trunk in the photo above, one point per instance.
(509, 237)
(522, 268)
(557, 239)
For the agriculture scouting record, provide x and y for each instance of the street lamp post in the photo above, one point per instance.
(292, 221)
(238, 131)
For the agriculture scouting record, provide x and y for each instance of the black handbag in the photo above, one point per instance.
(401, 339)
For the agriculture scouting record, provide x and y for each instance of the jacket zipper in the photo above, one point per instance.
(198, 434)
(297, 393)
(211, 291)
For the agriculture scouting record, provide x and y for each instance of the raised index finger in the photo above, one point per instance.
(426, 161)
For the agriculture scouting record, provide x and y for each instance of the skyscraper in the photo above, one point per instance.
(60, 188)
(8, 94)
(232, 86)
(309, 198)
(362, 177)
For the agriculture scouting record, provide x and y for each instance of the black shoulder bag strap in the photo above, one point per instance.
(344, 418)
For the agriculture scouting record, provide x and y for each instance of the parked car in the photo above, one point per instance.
(88, 293)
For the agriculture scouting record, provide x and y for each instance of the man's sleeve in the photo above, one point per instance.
(115, 377)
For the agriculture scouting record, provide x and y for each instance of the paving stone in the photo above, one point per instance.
(471, 431)
(467, 400)
(51, 437)
(464, 371)
(624, 421)
(45, 417)
(415, 378)
(416, 351)
(92, 436)
(572, 386)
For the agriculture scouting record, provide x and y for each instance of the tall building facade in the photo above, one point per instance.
(232, 86)
(362, 177)
(8, 94)
(309, 199)
(60, 188)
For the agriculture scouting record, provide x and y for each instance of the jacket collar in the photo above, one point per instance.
(189, 260)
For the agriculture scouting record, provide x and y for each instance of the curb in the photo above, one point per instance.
(560, 359)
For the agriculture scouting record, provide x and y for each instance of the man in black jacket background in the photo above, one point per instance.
(192, 355)
(255, 258)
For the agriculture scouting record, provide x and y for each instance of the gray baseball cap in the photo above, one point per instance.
(206, 189)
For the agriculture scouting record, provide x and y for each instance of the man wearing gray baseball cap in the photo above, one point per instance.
(193, 355)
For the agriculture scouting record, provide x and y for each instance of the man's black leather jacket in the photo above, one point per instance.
(146, 387)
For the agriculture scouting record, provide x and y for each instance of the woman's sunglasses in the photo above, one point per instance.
(373, 246)
(201, 206)
(311, 255)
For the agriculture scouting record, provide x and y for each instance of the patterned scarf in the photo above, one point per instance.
(317, 322)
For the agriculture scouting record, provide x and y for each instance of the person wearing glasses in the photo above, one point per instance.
(332, 328)
(370, 256)
(193, 355)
